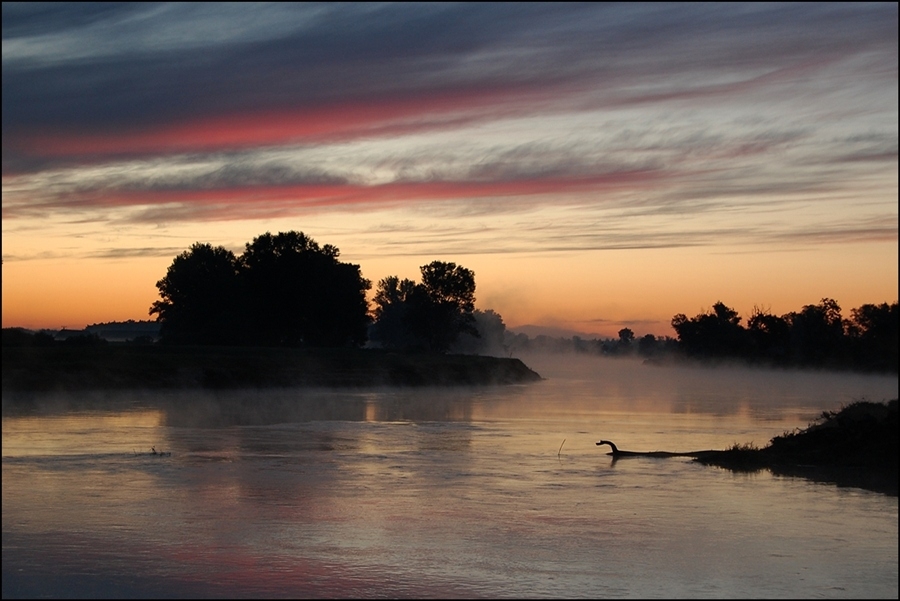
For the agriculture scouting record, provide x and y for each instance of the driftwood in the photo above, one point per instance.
(616, 453)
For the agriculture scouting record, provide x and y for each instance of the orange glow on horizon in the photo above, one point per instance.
(599, 295)
(45, 294)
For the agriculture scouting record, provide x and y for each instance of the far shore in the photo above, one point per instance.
(70, 368)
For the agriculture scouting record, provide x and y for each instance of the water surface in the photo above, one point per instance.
(488, 492)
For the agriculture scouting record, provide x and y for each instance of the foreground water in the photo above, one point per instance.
(492, 492)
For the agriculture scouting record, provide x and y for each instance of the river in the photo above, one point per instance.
(427, 493)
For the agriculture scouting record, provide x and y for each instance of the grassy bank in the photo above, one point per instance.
(856, 446)
(67, 368)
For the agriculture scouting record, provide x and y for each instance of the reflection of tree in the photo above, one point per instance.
(242, 408)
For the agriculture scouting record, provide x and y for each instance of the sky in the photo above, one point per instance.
(597, 166)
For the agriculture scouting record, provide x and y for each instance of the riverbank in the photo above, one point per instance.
(67, 368)
(856, 446)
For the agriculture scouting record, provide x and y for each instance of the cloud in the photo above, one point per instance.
(572, 127)
(130, 253)
(149, 64)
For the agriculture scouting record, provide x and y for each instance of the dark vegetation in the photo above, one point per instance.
(288, 312)
(287, 291)
(284, 290)
(856, 446)
(817, 336)
(67, 367)
(427, 316)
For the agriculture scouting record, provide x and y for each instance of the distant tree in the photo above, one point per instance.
(43, 339)
(647, 345)
(85, 339)
(815, 336)
(624, 343)
(199, 297)
(23, 337)
(817, 333)
(430, 315)
(874, 332)
(770, 335)
(715, 333)
(517, 343)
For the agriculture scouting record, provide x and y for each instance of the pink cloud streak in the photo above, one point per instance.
(281, 127)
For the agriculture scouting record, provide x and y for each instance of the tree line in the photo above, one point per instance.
(816, 336)
(287, 290)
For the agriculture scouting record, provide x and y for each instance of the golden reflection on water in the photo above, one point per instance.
(80, 433)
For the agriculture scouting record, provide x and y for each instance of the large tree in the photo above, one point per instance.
(200, 297)
(302, 294)
(284, 290)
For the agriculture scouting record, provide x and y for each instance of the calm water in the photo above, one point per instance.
(494, 492)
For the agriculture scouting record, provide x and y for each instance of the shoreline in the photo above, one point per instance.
(855, 446)
(61, 368)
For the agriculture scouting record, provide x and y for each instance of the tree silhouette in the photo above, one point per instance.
(715, 333)
(284, 290)
(874, 332)
(815, 336)
(770, 335)
(301, 294)
(200, 297)
(817, 333)
(647, 345)
(430, 315)
(393, 297)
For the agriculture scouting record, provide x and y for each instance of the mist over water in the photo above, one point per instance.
(418, 492)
